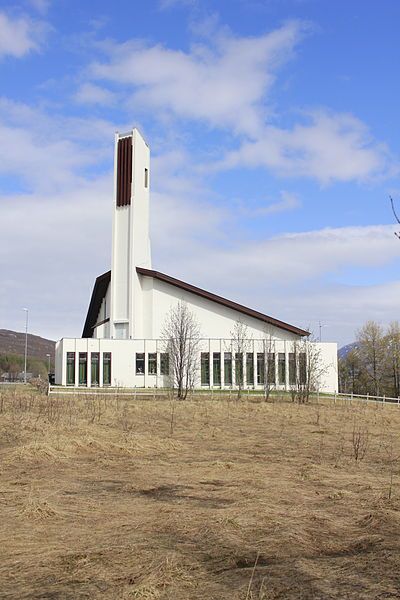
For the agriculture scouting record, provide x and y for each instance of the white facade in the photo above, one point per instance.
(130, 304)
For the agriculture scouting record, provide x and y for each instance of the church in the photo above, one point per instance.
(122, 343)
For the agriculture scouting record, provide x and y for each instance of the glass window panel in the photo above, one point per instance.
(217, 368)
(260, 368)
(95, 368)
(152, 363)
(281, 368)
(292, 369)
(303, 368)
(70, 368)
(107, 368)
(140, 363)
(239, 368)
(271, 368)
(82, 368)
(164, 363)
(205, 368)
(250, 368)
(228, 368)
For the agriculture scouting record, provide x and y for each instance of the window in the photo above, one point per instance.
(140, 363)
(292, 369)
(82, 368)
(205, 368)
(250, 368)
(217, 368)
(70, 368)
(228, 368)
(95, 368)
(107, 368)
(260, 368)
(152, 363)
(303, 368)
(239, 368)
(271, 368)
(146, 178)
(281, 369)
(164, 363)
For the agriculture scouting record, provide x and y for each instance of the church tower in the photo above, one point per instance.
(130, 237)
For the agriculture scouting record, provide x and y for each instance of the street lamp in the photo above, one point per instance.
(26, 341)
(48, 358)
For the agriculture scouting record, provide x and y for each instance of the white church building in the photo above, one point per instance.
(122, 343)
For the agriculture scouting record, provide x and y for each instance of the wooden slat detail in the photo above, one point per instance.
(124, 171)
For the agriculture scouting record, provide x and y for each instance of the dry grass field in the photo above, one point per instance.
(154, 499)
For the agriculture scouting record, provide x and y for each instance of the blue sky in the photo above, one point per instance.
(275, 145)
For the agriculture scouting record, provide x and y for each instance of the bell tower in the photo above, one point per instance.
(130, 237)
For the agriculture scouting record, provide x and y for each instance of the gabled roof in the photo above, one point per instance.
(220, 300)
(102, 282)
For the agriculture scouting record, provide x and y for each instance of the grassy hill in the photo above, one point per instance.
(13, 342)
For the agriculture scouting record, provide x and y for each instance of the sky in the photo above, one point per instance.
(275, 145)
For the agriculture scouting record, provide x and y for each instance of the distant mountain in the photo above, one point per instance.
(344, 350)
(13, 342)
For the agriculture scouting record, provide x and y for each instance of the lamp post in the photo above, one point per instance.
(48, 358)
(26, 341)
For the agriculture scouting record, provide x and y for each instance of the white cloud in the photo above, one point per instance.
(41, 6)
(90, 93)
(331, 146)
(20, 35)
(288, 201)
(223, 85)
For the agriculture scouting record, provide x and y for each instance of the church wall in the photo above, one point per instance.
(215, 320)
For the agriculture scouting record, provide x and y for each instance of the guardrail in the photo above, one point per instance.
(213, 392)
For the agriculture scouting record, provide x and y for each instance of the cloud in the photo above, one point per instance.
(42, 6)
(89, 93)
(20, 35)
(223, 84)
(288, 201)
(329, 146)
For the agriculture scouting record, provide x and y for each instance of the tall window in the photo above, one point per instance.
(107, 368)
(303, 368)
(281, 368)
(205, 368)
(228, 368)
(271, 368)
(292, 368)
(217, 368)
(249, 368)
(146, 178)
(239, 368)
(70, 368)
(95, 368)
(152, 363)
(82, 368)
(140, 363)
(164, 363)
(260, 368)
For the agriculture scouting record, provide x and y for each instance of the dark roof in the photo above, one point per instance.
(214, 298)
(102, 282)
(99, 291)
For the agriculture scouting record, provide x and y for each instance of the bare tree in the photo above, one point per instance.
(396, 233)
(240, 345)
(268, 364)
(308, 370)
(371, 350)
(392, 348)
(181, 333)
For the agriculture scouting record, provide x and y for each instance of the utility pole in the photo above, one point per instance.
(26, 342)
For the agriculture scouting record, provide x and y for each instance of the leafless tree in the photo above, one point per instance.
(371, 350)
(240, 345)
(269, 364)
(396, 233)
(309, 369)
(181, 334)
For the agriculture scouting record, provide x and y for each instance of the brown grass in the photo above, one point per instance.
(108, 498)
